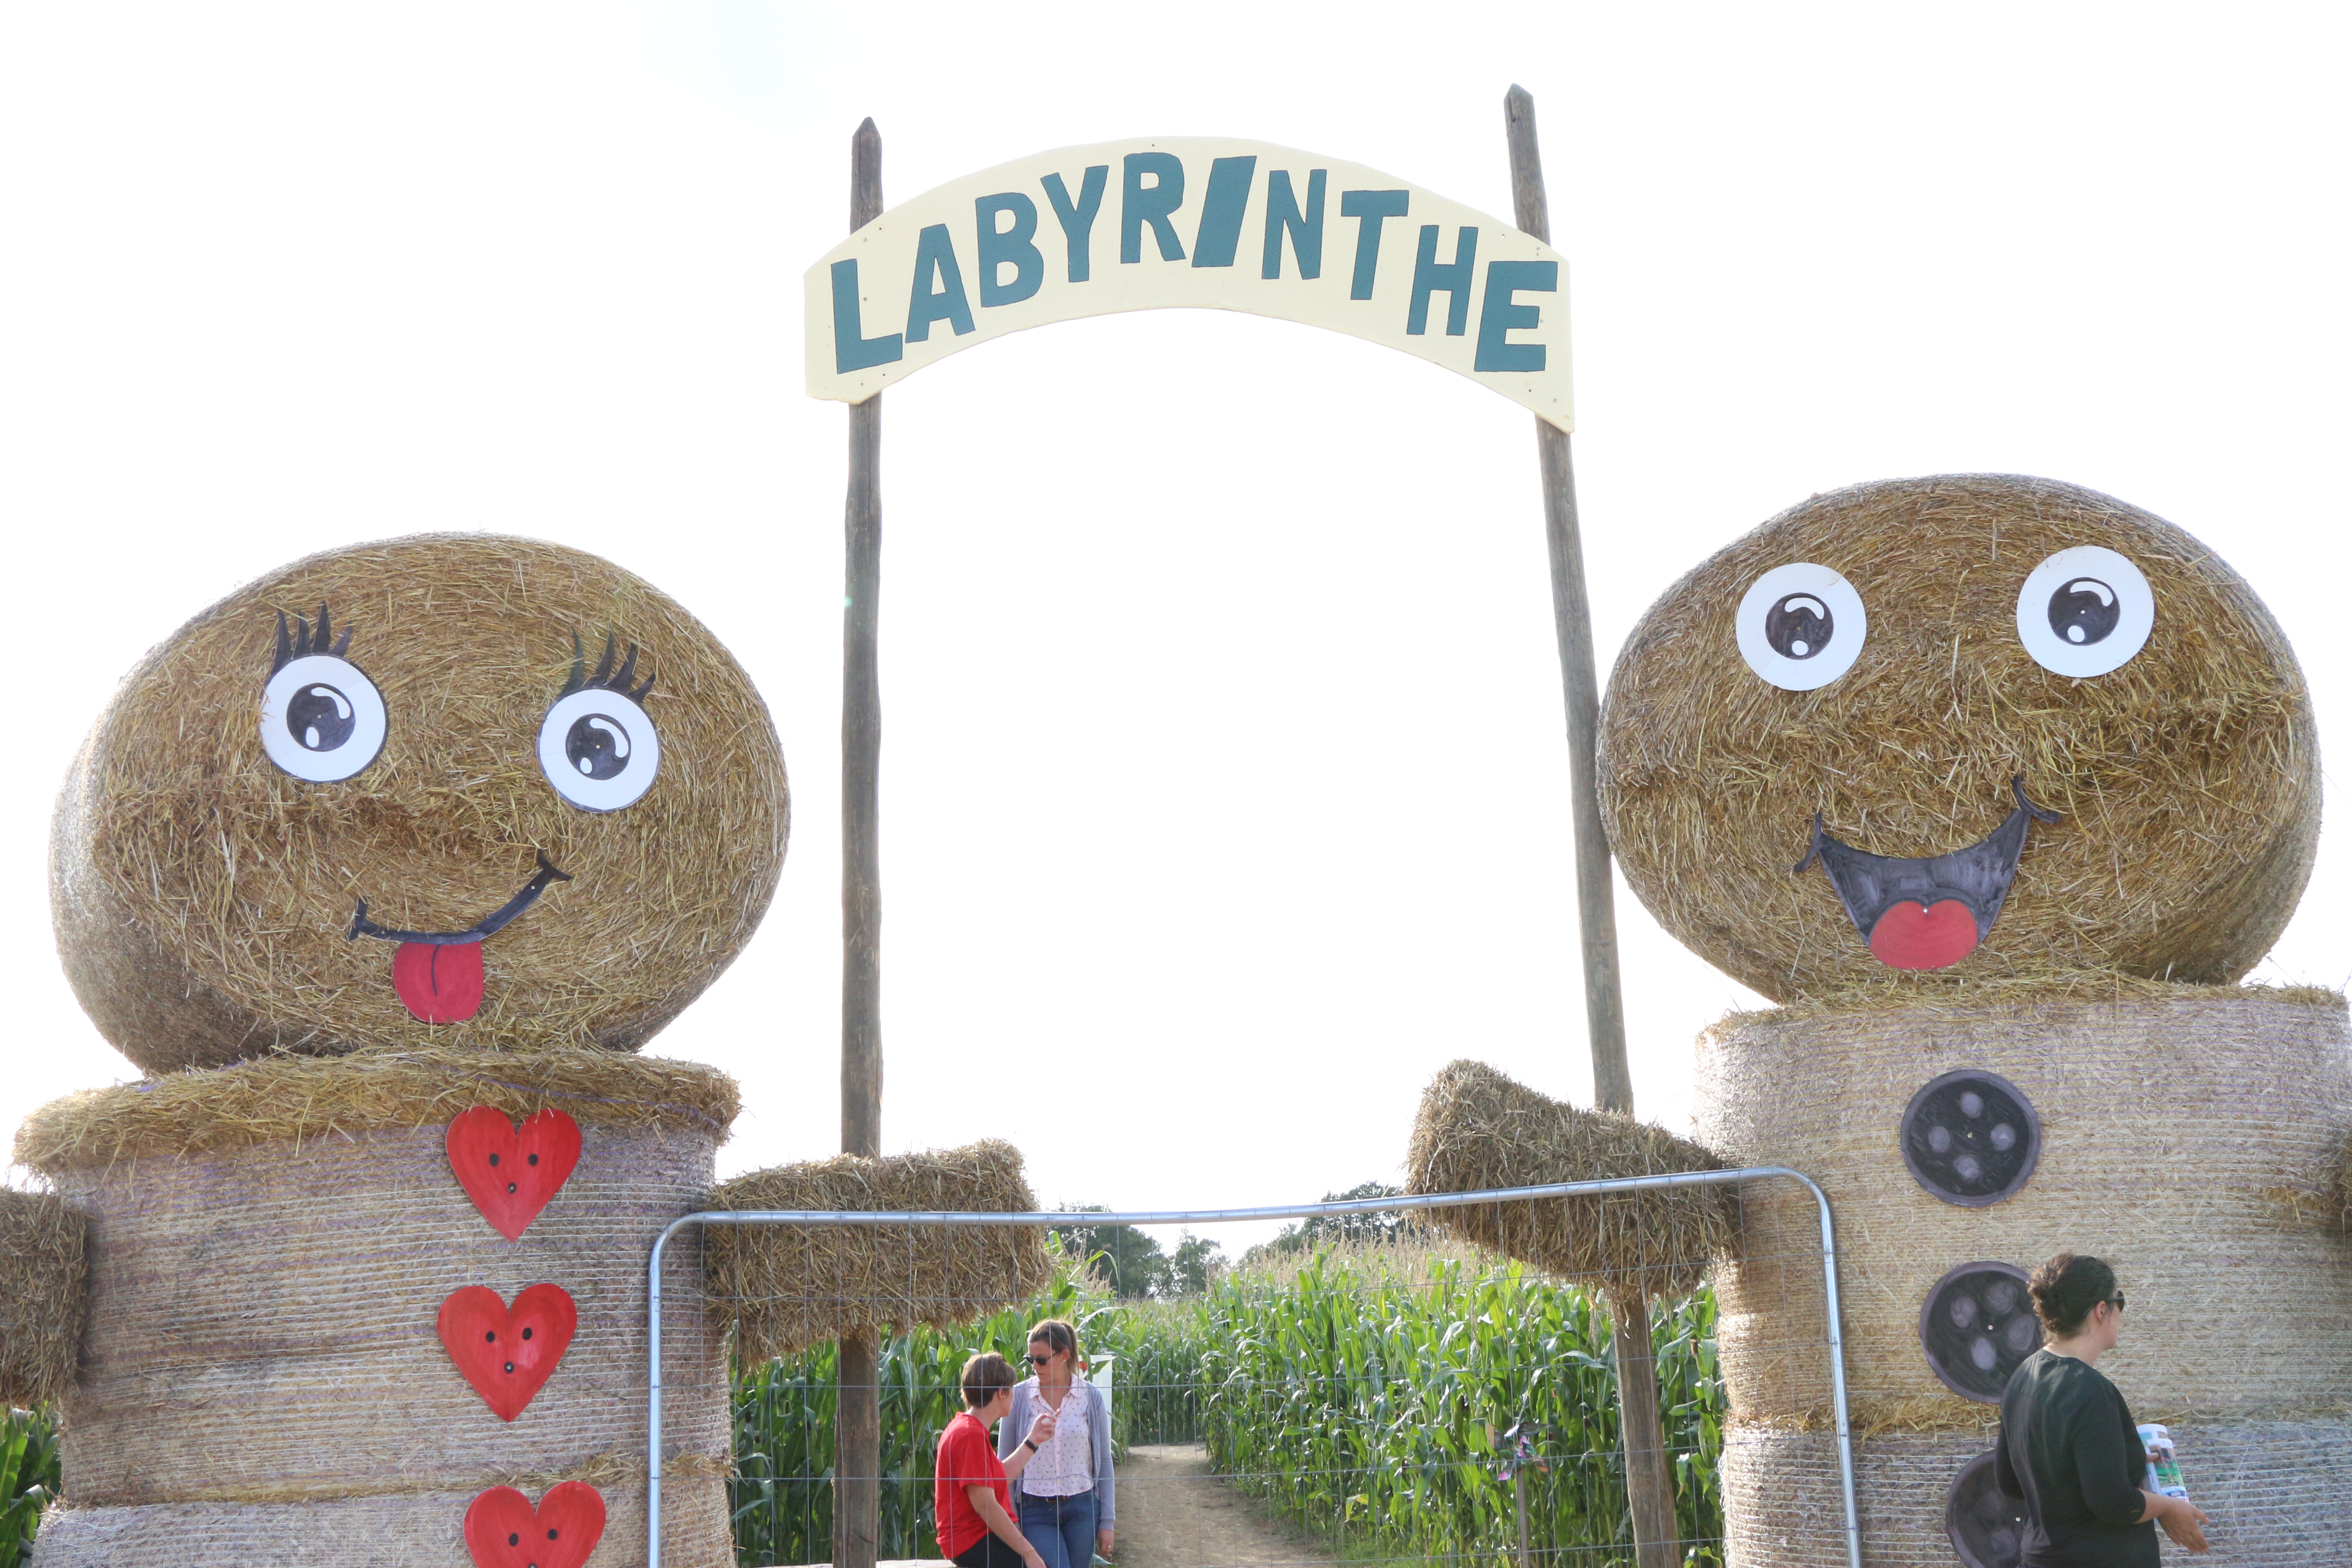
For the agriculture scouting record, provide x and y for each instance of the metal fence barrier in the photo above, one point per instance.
(1063, 1219)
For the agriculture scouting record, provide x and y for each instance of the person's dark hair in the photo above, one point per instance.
(2064, 1291)
(985, 1376)
(1058, 1335)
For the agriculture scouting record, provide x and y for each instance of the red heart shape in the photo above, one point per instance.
(506, 1353)
(510, 1172)
(503, 1530)
(1923, 936)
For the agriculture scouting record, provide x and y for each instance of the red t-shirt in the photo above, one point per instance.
(966, 1458)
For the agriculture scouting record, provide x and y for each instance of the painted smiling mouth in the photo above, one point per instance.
(1927, 913)
(439, 973)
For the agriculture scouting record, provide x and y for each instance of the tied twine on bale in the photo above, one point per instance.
(785, 1288)
(41, 1274)
(1478, 1129)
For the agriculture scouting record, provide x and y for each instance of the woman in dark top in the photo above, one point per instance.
(2069, 1447)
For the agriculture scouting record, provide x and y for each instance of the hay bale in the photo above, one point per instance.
(2188, 779)
(2166, 1126)
(786, 1287)
(1478, 1129)
(296, 1099)
(205, 899)
(41, 1274)
(263, 1379)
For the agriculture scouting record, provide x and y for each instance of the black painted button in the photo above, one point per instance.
(526, 1333)
(533, 1160)
(1977, 1327)
(489, 1336)
(510, 1366)
(1970, 1137)
(1988, 1529)
(493, 1160)
(510, 1187)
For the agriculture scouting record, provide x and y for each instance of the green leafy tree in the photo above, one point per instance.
(1129, 1261)
(1322, 1230)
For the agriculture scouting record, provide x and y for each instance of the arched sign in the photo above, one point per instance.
(1191, 221)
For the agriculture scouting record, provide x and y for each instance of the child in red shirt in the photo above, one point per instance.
(970, 1496)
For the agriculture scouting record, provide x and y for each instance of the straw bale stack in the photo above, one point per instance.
(785, 1288)
(262, 1380)
(2187, 780)
(1477, 1129)
(2168, 1127)
(204, 896)
(41, 1273)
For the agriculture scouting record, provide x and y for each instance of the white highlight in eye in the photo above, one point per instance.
(308, 690)
(2101, 575)
(1806, 586)
(635, 740)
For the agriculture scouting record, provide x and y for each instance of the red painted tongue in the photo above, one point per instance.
(1918, 936)
(439, 983)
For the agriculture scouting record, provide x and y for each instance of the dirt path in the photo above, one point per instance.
(1174, 1513)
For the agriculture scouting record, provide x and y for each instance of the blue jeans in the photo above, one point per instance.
(1062, 1528)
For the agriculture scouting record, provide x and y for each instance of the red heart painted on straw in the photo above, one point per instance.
(506, 1353)
(503, 1530)
(510, 1172)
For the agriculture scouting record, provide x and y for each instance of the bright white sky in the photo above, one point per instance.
(1224, 795)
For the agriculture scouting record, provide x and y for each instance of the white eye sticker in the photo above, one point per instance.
(2084, 612)
(321, 720)
(598, 749)
(1801, 627)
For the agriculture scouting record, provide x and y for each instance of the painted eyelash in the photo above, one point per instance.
(606, 678)
(301, 642)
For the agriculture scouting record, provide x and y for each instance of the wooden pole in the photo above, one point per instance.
(1596, 909)
(1649, 1480)
(857, 1421)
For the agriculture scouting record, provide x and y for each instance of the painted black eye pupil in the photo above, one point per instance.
(514, 1538)
(533, 1160)
(1799, 626)
(597, 745)
(319, 718)
(526, 1333)
(494, 1159)
(2085, 610)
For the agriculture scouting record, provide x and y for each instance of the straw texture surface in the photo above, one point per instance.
(2274, 1491)
(299, 1100)
(2188, 779)
(414, 1530)
(41, 1273)
(2168, 1128)
(1478, 1129)
(784, 1287)
(262, 1323)
(202, 896)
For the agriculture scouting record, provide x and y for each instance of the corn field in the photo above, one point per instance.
(28, 1479)
(1362, 1393)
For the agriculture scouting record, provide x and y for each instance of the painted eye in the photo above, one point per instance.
(321, 720)
(2084, 612)
(598, 749)
(1801, 627)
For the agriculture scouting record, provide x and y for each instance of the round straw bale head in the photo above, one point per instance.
(1899, 685)
(2173, 1134)
(1478, 1130)
(412, 793)
(263, 1380)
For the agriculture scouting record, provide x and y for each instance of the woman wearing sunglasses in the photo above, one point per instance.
(2069, 1448)
(1066, 1498)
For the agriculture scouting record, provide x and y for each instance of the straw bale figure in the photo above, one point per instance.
(1999, 785)
(381, 868)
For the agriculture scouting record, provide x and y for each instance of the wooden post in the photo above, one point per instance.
(857, 1419)
(1649, 1479)
(1596, 909)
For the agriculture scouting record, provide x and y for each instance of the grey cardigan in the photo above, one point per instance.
(1026, 1406)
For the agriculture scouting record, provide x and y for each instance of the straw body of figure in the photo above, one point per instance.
(2185, 780)
(41, 1274)
(224, 888)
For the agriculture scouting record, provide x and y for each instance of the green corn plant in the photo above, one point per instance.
(28, 1480)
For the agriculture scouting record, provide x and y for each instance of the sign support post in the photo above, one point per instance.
(1648, 1482)
(858, 1427)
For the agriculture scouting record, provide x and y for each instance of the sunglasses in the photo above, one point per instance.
(2116, 1300)
(1047, 1360)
